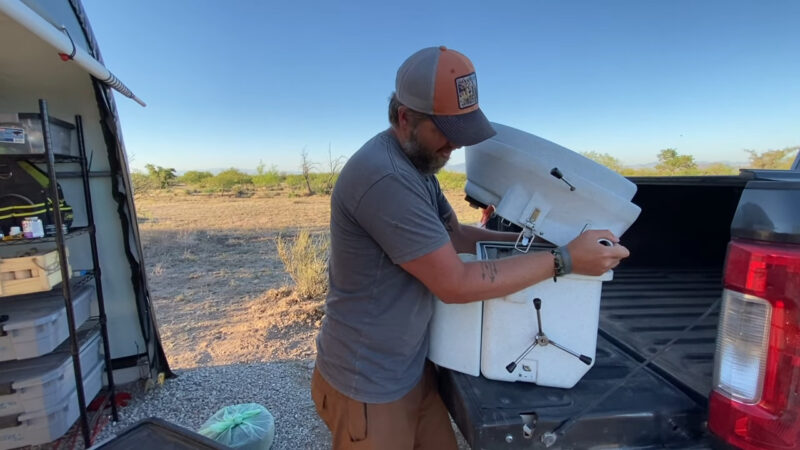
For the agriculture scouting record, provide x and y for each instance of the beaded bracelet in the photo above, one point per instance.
(562, 262)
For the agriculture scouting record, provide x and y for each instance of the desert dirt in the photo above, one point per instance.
(219, 289)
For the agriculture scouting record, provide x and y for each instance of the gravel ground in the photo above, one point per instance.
(196, 394)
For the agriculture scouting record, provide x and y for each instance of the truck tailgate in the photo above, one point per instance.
(647, 412)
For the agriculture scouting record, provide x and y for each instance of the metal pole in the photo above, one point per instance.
(59, 38)
(87, 196)
(65, 275)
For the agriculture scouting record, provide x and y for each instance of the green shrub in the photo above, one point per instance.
(605, 159)
(268, 179)
(719, 169)
(306, 261)
(295, 181)
(227, 179)
(322, 183)
(195, 177)
(142, 183)
(162, 176)
(451, 181)
(773, 159)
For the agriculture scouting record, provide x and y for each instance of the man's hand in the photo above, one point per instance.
(589, 257)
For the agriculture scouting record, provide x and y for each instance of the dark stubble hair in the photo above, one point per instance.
(426, 160)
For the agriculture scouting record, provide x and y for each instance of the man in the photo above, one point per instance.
(394, 246)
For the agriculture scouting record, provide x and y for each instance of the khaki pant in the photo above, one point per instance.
(417, 421)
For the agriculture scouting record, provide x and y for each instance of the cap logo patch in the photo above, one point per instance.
(467, 89)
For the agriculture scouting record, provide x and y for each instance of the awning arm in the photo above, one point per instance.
(60, 39)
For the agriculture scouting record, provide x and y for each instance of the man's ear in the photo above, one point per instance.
(404, 122)
(402, 117)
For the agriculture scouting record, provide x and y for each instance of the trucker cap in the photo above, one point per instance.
(441, 83)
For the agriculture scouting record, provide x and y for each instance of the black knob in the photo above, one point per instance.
(510, 368)
(537, 303)
(585, 359)
(557, 173)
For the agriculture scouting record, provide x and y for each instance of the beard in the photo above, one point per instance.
(426, 160)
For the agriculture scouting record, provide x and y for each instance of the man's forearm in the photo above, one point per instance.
(481, 280)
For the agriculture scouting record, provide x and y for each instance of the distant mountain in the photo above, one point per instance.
(650, 165)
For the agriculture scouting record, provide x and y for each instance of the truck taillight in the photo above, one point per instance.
(742, 342)
(755, 403)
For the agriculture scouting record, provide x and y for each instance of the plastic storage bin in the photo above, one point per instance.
(41, 383)
(22, 134)
(48, 425)
(37, 324)
(486, 337)
(154, 433)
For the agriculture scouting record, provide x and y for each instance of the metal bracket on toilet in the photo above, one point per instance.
(525, 208)
(525, 238)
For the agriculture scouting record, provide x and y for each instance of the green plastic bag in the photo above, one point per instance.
(248, 426)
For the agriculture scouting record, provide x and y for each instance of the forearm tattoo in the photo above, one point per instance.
(489, 270)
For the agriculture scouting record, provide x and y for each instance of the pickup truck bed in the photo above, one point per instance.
(673, 276)
(641, 310)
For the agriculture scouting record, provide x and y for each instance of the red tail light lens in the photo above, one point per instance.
(756, 398)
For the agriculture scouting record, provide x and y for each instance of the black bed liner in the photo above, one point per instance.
(643, 309)
(662, 406)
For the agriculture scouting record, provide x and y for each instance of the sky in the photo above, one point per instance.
(229, 84)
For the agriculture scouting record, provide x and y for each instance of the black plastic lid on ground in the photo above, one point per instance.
(156, 433)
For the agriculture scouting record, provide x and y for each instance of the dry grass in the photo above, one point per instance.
(305, 258)
(220, 291)
(196, 212)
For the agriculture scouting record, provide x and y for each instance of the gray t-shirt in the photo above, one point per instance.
(384, 212)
